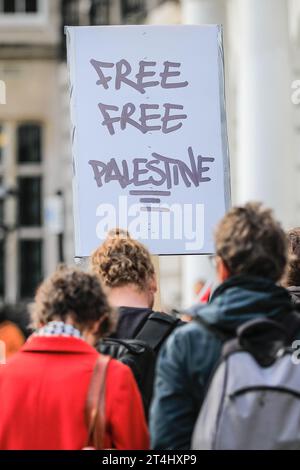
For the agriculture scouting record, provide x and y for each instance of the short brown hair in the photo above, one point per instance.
(292, 277)
(121, 260)
(70, 291)
(251, 242)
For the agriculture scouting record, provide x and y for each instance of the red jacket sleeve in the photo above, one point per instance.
(126, 426)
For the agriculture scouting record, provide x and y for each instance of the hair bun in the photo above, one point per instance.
(118, 232)
(121, 260)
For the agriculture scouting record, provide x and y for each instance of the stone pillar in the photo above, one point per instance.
(264, 121)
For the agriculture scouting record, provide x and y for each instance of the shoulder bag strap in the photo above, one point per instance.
(95, 404)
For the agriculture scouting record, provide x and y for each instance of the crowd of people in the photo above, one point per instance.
(103, 370)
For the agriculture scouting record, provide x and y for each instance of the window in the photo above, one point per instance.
(2, 238)
(9, 6)
(30, 192)
(31, 6)
(21, 207)
(131, 7)
(29, 143)
(70, 12)
(30, 252)
(99, 12)
(18, 6)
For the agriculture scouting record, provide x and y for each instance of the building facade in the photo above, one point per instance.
(36, 216)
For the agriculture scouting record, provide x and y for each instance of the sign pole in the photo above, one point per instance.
(157, 301)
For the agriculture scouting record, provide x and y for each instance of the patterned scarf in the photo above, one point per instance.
(58, 328)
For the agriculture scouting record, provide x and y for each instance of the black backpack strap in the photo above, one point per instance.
(157, 328)
(291, 323)
(264, 338)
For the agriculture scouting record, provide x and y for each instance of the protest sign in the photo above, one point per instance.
(149, 135)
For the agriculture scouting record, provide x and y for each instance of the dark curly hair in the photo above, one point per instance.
(121, 260)
(292, 276)
(250, 241)
(70, 291)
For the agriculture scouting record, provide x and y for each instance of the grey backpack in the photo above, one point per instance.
(253, 400)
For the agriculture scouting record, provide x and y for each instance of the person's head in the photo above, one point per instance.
(74, 297)
(292, 276)
(249, 241)
(126, 270)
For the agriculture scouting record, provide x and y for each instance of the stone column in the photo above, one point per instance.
(264, 124)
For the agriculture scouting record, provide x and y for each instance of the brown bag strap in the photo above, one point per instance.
(95, 404)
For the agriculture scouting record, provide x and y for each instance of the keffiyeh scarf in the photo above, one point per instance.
(58, 328)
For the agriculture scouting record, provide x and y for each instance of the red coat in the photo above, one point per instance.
(43, 389)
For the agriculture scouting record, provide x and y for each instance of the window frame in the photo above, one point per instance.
(11, 171)
(33, 224)
(21, 295)
(38, 126)
(22, 18)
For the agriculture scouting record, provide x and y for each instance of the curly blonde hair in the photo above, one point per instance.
(121, 260)
(250, 241)
(70, 291)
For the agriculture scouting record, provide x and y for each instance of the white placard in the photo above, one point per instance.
(149, 135)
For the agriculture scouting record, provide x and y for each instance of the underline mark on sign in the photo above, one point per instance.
(154, 209)
(148, 200)
(149, 193)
